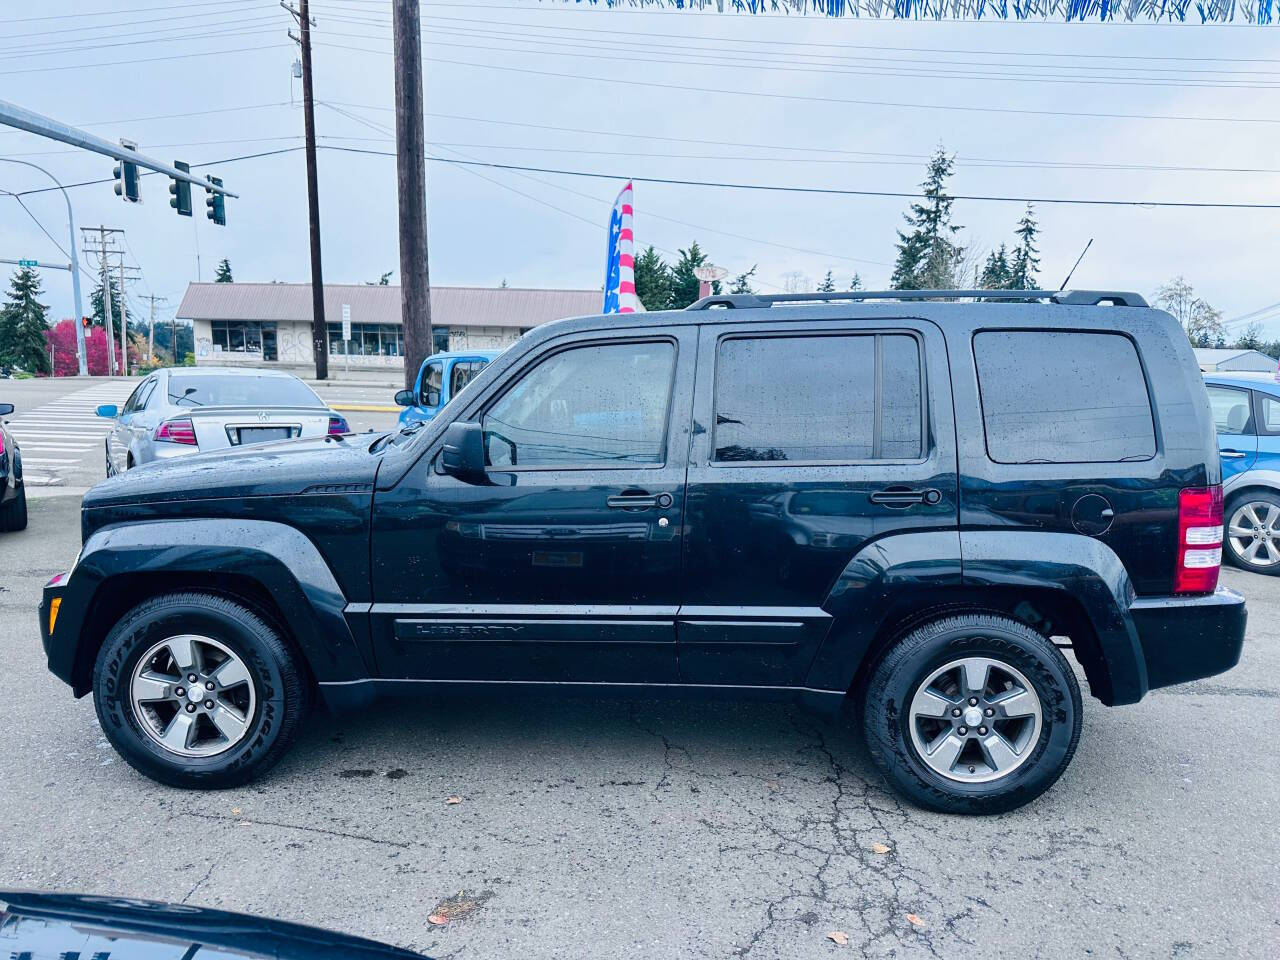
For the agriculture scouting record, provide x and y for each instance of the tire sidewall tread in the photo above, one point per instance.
(283, 689)
(1228, 551)
(913, 657)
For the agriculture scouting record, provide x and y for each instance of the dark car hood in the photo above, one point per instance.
(288, 468)
(63, 924)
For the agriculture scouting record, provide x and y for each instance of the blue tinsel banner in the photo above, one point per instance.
(1168, 11)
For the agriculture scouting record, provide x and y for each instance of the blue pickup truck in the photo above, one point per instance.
(440, 378)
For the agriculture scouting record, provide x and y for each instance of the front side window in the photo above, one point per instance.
(1270, 414)
(462, 374)
(814, 399)
(1063, 397)
(592, 405)
(1230, 410)
(432, 378)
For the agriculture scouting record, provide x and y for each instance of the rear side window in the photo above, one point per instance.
(1063, 397)
(823, 399)
(1230, 410)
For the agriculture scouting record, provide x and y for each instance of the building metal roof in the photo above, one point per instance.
(371, 303)
(1209, 358)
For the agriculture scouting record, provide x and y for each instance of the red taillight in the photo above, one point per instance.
(1, 441)
(177, 431)
(1199, 540)
(338, 426)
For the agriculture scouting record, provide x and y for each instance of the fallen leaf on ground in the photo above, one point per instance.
(773, 784)
(880, 848)
(914, 920)
(456, 907)
(452, 800)
(839, 936)
(235, 811)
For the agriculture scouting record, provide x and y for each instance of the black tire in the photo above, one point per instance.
(13, 515)
(909, 662)
(111, 471)
(1229, 551)
(282, 686)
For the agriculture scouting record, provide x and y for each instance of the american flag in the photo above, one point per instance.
(620, 273)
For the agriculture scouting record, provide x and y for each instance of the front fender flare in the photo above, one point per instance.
(277, 557)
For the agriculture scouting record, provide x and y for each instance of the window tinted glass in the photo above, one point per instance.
(1231, 410)
(131, 404)
(814, 398)
(595, 404)
(1052, 397)
(240, 389)
(432, 378)
(462, 374)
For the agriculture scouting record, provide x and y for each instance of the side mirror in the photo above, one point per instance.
(463, 454)
(6, 409)
(404, 398)
(108, 410)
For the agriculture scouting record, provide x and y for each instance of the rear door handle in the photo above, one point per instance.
(902, 497)
(1232, 454)
(639, 501)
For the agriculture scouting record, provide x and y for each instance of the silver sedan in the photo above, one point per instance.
(188, 410)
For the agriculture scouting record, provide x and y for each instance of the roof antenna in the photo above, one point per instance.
(1077, 263)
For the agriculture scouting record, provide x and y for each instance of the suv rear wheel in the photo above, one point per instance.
(197, 690)
(1253, 532)
(13, 515)
(972, 714)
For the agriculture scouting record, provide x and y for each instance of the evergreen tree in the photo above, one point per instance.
(99, 309)
(856, 282)
(928, 256)
(1025, 264)
(24, 325)
(684, 285)
(223, 274)
(742, 282)
(653, 280)
(996, 271)
(827, 285)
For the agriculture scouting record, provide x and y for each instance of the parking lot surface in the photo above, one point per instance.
(656, 829)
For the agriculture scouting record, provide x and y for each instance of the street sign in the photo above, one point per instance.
(710, 272)
(28, 263)
(346, 321)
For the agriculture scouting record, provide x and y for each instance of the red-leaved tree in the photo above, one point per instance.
(62, 339)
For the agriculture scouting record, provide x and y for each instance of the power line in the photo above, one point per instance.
(244, 28)
(117, 11)
(847, 101)
(120, 63)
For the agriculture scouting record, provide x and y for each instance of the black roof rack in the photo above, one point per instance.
(1076, 298)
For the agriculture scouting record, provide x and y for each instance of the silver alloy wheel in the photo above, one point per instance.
(1254, 534)
(975, 720)
(193, 696)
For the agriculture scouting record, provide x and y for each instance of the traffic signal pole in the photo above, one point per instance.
(411, 184)
(81, 359)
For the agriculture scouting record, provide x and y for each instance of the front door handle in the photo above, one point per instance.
(639, 501)
(1232, 455)
(904, 497)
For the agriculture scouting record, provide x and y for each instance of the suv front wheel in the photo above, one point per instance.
(1253, 532)
(198, 690)
(973, 713)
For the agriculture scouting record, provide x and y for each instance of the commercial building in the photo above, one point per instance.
(1234, 361)
(269, 324)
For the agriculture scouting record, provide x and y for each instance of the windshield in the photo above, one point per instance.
(240, 390)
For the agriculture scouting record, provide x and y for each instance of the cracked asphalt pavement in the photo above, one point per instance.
(662, 829)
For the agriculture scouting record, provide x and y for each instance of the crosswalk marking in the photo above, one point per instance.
(65, 433)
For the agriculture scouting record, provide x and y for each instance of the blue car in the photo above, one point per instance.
(440, 378)
(1246, 412)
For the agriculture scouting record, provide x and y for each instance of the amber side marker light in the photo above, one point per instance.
(54, 604)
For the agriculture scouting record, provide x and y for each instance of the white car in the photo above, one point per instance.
(188, 410)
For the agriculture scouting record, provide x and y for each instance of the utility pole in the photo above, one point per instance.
(411, 187)
(107, 312)
(124, 326)
(319, 331)
(151, 330)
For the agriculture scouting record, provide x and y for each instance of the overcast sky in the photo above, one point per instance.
(775, 94)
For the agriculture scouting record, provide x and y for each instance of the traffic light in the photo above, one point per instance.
(180, 191)
(126, 175)
(215, 203)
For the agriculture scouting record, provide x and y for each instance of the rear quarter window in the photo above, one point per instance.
(1063, 397)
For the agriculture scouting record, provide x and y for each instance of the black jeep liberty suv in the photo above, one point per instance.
(911, 502)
